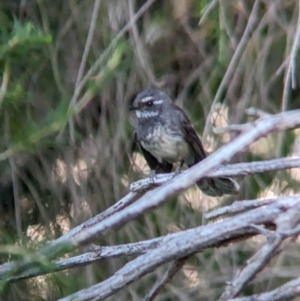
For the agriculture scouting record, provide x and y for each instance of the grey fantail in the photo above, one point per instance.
(166, 136)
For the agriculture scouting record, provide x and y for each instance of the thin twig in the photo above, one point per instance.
(99, 61)
(241, 206)
(291, 69)
(257, 112)
(5, 80)
(14, 177)
(160, 283)
(139, 48)
(231, 67)
(290, 78)
(83, 62)
(231, 128)
(16, 197)
(255, 264)
(206, 10)
(96, 253)
(282, 293)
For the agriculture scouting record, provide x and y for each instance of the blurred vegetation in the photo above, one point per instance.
(66, 147)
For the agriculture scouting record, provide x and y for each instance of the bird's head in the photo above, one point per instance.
(149, 103)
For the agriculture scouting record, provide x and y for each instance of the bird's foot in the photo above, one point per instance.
(177, 171)
(152, 176)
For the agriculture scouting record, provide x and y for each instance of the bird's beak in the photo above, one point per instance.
(132, 108)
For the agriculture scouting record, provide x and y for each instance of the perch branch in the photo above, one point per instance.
(226, 170)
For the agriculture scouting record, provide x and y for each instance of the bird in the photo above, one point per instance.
(166, 136)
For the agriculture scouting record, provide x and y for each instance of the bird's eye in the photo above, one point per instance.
(150, 103)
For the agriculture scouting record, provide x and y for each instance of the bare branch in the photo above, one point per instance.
(226, 170)
(255, 264)
(96, 253)
(7, 268)
(232, 128)
(241, 206)
(175, 267)
(289, 290)
(183, 244)
(285, 222)
(206, 10)
(262, 230)
(99, 252)
(293, 232)
(257, 113)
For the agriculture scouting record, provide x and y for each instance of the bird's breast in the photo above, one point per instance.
(164, 143)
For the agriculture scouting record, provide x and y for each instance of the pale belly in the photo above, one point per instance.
(166, 146)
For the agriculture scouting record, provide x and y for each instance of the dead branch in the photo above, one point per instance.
(285, 222)
(160, 283)
(239, 206)
(289, 290)
(226, 170)
(183, 244)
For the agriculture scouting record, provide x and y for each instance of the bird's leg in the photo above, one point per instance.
(152, 175)
(178, 168)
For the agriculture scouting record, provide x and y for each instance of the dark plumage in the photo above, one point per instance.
(166, 136)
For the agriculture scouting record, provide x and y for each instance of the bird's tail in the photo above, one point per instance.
(215, 186)
(218, 186)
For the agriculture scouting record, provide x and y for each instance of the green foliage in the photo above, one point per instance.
(14, 96)
(21, 40)
(116, 62)
(20, 45)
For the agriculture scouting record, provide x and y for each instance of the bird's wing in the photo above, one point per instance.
(153, 163)
(190, 135)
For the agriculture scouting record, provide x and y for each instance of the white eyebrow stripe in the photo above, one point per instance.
(147, 98)
(157, 102)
